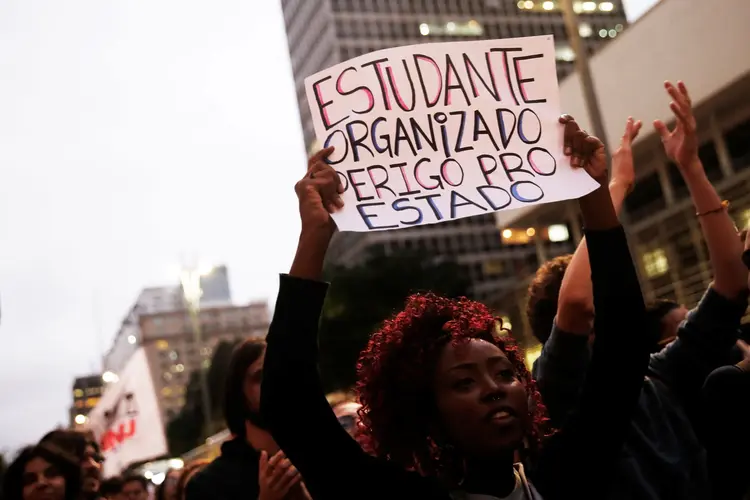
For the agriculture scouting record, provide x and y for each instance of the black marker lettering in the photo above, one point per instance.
(367, 217)
(455, 195)
(378, 185)
(509, 171)
(323, 104)
(462, 126)
(379, 73)
(356, 142)
(523, 81)
(398, 207)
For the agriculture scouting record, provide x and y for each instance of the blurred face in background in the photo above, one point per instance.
(671, 321)
(134, 490)
(91, 470)
(346, 413)
(170, 485)
(251, 391)
(42, 481)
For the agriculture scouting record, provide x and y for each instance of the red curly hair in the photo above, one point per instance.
(395, 381)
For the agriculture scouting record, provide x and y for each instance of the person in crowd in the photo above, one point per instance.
(346, 412)
(186, 476)
(544, 291)
(726, 392)
(242, 468)
(544, 294)
(662, 457)
(43, 472)
(167, 490)
(668, 315)
(724, 427)
(111, 489)
(135, 487)
(84, 447)
(447, 401)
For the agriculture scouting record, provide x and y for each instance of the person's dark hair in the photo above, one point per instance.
(544, 292)
(72, 441)
(111, 486)
(395, 380)
(236, 410)
(67, 465)
(656, 310)
(135, 478)
(187, 474)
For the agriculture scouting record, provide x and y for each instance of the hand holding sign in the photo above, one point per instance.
(442, 131)
(585, 151)
(319, 193)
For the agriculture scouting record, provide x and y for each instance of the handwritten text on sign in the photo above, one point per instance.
(435, 132)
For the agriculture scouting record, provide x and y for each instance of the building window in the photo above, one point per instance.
(655, 263)
(78, 393)
(166, 392)
(744, 219)
(162, 345)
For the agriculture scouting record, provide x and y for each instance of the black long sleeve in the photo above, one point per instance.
(726, 399)
(582, 457)
(301, 421)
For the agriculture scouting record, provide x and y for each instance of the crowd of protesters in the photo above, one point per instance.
(627, 400)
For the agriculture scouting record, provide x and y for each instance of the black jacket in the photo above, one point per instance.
(231, 476)
(577, 462)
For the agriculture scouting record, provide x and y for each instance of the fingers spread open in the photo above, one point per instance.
(662, 129)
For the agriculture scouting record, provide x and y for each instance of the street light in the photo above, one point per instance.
(190, 279)
(582, 66)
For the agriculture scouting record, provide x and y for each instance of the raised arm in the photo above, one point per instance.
(561, 368)
(575, 309)
(724, 246)
(292, 398)
(596, 432)
(707, 335)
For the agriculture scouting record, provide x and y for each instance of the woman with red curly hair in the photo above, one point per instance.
(449, 409)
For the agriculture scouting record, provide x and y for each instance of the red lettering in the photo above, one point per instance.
(117, 435)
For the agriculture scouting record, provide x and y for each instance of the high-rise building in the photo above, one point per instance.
(215, 292)
(86, 393)
(160, 323)
(666, 241)
(322, 33)
(168, 338)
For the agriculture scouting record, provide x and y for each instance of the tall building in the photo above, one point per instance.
(86, 393)
(168, 339)
(215, 292)
(159, 322)
(664, 233)
(322, 33)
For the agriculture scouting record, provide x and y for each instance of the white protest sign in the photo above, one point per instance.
(436, 132)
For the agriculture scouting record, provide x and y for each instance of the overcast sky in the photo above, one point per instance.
(133, 133)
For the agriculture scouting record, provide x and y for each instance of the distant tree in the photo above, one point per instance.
(362, 297)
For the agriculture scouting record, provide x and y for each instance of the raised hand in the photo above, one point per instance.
(319, 193)
(681, 143)
(585, 151)
(276, 476)
(623, 170)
